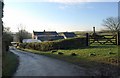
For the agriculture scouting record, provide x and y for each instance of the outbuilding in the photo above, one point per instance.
(30, 40)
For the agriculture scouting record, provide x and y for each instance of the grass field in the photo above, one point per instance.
(10, 64)
(103, 58)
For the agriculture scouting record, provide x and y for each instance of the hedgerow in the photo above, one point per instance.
(71, 43)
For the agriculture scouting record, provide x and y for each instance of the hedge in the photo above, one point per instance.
(71, 43)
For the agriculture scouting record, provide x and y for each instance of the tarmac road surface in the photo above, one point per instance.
(39, 65)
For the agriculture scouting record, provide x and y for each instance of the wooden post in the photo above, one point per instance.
(94, 34)
(87, 39)
(118, 38)
(94, 30)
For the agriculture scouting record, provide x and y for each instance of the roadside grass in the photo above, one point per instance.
(105, 58)
(10, 64)
(103, 53)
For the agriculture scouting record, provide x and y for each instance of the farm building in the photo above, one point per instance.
(69, 35)
(30, 40)
(46, 35)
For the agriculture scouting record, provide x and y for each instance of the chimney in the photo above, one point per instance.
(94, 30)
(44, 30)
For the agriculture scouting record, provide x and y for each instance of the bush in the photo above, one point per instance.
(71, 43)
(53, 51)
(111, 53)
(73, 54)
(46, 46)
(23, 45)
(60, 53)
(92, 54)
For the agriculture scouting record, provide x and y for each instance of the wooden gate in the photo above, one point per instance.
(103, 39)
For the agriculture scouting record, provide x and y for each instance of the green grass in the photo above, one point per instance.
(10, 64)
(106, 57)
(102, 53)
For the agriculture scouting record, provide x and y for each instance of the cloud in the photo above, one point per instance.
(74, 6)
(63, 7)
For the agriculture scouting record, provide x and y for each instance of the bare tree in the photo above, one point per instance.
(112, 23)
(22, 33)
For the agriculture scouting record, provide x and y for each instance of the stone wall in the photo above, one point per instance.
(1, 28)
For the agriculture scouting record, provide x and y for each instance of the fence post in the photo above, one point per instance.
(118, 38)
(94, 30)
(87, 39)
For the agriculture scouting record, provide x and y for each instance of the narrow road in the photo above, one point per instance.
(39, 65)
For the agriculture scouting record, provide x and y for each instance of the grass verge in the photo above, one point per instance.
(10, 64)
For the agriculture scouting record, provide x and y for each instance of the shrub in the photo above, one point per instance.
(37, 46)
(73, 54)
(92, 54)
(46, 46)
(60, 53)
(71, 43)
(53, 51)
(23, 45)
(111, 53)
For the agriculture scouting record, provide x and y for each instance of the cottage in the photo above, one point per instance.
(46, 35)
(69, 35)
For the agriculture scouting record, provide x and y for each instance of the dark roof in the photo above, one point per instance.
(69, 34)
(50, 38)
(45, 33)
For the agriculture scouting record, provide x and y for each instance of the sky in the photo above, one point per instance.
(58, 15)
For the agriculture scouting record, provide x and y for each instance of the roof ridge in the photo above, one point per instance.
(45, 31)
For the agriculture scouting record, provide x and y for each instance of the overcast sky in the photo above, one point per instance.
(58, 15)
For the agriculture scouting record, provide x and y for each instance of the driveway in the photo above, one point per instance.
(39, 65)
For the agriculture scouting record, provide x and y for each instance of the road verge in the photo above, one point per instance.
(10, 64)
